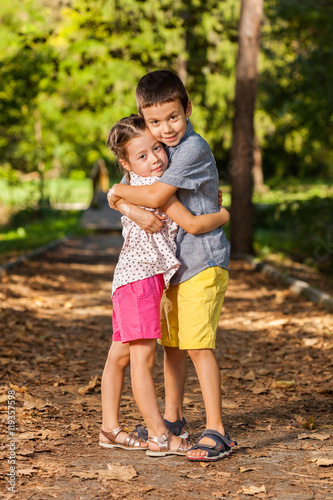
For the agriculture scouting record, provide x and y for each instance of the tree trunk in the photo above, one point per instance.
(257, 172)
(242, 151)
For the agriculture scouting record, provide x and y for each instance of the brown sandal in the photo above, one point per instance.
(163, 443)
(131, 441)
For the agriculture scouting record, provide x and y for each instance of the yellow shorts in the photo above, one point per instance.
(190, 311)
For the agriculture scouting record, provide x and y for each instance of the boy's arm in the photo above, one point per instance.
(194, 224)
(153, 196)
(148, 221)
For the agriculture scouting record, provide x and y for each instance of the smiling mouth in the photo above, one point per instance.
(170, 138)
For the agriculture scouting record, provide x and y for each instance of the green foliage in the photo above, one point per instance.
(70, 69)
(300, 228)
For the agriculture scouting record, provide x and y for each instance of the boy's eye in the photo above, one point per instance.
(173, 117)
(157, 148)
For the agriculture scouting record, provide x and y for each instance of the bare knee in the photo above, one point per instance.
(198, 355)
(119, 356)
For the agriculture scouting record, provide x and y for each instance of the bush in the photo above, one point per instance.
(304, 229)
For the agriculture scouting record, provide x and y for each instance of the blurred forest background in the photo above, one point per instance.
(68, 72)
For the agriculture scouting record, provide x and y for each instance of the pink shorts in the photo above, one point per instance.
(136, 310)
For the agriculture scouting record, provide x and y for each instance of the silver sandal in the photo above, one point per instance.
(163, 443)
(131, 441)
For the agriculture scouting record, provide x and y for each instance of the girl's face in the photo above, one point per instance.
(146, 156)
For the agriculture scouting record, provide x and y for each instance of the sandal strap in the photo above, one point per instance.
(161, 441)
(226, 439)
(111, 435)
(184, 446)
(133, 441)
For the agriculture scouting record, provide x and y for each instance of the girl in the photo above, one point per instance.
(145, 266)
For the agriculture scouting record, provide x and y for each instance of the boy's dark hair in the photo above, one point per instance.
(159, 87)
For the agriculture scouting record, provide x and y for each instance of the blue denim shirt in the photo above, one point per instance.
(192, 169)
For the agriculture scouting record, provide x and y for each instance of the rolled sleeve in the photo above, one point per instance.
(185, 170)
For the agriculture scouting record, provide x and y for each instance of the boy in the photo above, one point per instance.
(192, 304)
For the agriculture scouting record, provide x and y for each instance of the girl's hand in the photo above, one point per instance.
(112, 198)
(220, 198)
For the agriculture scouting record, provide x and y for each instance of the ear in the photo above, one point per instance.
(188, 109)
(124, 164)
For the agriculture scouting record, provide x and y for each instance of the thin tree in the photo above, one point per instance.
(243, 144)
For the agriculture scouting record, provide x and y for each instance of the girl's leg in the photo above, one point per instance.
(112, 385)
(142, 353)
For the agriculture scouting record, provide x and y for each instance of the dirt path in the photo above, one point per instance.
(275, 354)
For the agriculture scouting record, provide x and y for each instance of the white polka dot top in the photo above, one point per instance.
(144, 255)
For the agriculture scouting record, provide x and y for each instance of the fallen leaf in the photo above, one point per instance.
(234, 374)
(310, 342)
(307, 423)
(323, 462)
(42, 434)
(319, 436)
(250, 376)
(94, 382)
(120, 472)
(316, 435)
(258, 389)
(26, 472)
(5, 361)
(16, 388)
(204, 464)
(246, 469)
(283, 383)
(27, 450)
(265, 429)
(229, 404)
(252, 490)
(31, 402)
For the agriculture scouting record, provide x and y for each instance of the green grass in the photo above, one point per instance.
(57, 190)
(14, 241)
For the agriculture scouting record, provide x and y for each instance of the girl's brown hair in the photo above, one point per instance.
(125, 130)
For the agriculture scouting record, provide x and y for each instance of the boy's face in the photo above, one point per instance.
(167, 122)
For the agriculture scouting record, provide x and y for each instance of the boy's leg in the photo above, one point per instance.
(175, 360)
(210, 383)
(175, 367)
(200, 301)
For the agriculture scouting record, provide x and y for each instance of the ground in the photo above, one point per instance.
(275, 355)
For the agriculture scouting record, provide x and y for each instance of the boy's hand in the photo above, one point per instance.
(112, 198)
(220, 198)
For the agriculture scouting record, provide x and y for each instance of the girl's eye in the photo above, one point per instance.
(155, 122)
(157, 148)
(142, 157)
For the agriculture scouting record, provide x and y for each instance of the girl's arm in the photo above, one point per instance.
(194, 224)
(148, 221)
(152, 196)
